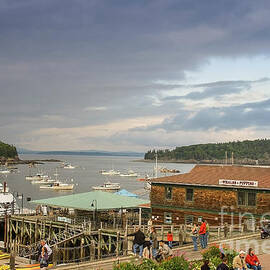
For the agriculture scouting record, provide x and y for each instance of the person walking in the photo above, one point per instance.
(170, 238)
(139, 239)
(154, 241)
(252, 260)
(194, 236)
(44, 258)
(202, 233)
(49, 250)
(239, 261)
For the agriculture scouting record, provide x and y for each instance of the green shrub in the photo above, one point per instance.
(176, 263)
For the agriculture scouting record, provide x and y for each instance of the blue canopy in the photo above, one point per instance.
(124, 192)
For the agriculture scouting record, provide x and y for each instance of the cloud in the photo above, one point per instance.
(216, 89)
(68, 65)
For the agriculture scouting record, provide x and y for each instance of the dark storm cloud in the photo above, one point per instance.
(59, 57)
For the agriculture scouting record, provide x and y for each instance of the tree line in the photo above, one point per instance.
(7, 151)
(255, 150)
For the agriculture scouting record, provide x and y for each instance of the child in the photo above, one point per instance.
(169, 239)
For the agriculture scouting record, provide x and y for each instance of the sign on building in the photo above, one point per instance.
(241, 183)
(64, 219)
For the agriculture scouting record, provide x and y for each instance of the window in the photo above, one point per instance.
(167, 218)
(168, 193)
(241, 198)
(246, 198)
(189, 194)
(188, 220)
(251, 198)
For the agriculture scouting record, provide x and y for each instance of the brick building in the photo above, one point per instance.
(208, 190)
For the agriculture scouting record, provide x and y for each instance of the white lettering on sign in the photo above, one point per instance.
(242, 183)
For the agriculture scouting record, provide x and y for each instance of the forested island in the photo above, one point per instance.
(7, 151)
(245, 152)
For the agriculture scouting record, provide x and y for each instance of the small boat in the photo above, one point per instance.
(68, 166)
(58, 186)
(38, 176)
(110, 172)
(108, 186)
(130, 173)
(6, 171)
(43, 181)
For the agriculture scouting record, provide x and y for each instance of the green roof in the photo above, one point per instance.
(83, 201)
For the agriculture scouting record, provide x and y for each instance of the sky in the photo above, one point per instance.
(133, 75)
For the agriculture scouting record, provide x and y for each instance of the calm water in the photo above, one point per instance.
(85, 175)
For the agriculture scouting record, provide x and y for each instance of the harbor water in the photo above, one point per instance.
(85, 175)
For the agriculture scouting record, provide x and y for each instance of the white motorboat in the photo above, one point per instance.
(43, 181)
(68, 166)
(38, 176)
(110, 172)
(6, 171)
(58, 186)
(130, 173)
(108, 186)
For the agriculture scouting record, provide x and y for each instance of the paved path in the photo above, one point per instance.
(265, 261)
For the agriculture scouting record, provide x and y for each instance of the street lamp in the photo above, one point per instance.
(94, 204)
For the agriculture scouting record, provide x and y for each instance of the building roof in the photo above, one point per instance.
(124, 192)
(210, 175)
(83, 201)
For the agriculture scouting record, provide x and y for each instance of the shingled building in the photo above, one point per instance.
(209, 190)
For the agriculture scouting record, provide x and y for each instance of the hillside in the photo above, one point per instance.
(245, 152)
(7, 151)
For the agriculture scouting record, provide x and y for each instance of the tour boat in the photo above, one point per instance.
(58, 186)
(108, 186)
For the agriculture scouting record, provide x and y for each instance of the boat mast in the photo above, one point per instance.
(156, 166)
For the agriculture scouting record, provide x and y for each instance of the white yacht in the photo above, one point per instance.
(108, 186)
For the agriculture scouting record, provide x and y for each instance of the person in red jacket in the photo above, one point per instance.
(170, 238)
(252, 260)
(202, 233)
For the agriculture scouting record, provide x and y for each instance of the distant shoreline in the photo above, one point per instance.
(209, 162)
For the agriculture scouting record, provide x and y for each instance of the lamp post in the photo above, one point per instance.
(94, 204)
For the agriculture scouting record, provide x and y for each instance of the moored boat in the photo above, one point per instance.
(110, 172)
(58, 186)
(130, 173)
(108, 186)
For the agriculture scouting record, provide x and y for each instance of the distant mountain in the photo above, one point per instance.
(82, 153)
